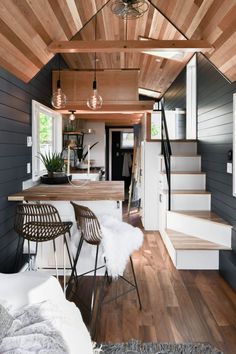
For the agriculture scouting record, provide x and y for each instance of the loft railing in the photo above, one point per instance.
(166, 151)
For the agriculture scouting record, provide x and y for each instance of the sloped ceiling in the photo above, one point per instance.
(27, 27)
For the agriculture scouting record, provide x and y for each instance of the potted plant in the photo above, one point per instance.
(54, 164)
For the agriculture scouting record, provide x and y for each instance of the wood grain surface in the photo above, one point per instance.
(29, 27)
(80, 190)
(178, 306)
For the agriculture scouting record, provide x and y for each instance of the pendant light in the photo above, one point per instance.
(72, 115)
(58, 100)
(95, 100)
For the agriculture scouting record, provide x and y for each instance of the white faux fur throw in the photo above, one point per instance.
(119, 241)
(35, 330)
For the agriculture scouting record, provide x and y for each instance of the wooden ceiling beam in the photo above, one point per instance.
(111, 46)
(107, 117)
(110, 107)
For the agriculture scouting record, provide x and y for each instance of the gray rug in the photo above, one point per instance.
(135, 347)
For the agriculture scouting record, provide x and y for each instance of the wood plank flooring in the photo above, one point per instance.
(178, 306)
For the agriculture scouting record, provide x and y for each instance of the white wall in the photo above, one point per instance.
(98, 152)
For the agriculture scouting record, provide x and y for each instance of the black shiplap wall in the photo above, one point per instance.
(175, 96)
(15, 126)
(215, 127)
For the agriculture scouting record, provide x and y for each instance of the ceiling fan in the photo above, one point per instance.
(129, 9)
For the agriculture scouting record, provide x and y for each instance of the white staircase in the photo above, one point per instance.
(193, 235)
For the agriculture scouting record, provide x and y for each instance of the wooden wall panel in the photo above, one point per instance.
(213, 20)
(15, 126)
(113, 85)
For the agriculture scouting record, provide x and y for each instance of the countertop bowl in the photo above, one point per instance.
(56, 179)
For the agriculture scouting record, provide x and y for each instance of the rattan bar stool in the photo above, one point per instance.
(91, 233)
(40, 223)
(90, 230)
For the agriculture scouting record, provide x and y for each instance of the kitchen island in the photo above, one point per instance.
(77, 190)
(103, 197)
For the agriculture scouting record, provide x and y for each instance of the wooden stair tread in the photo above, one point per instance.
(203, 214)
(184, 155)
(184, 140)
(185, 173)
(181, 241)
(187, 191)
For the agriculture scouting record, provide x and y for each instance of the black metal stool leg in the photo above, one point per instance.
(29, 260)
(94, 278)
(76, 260)
(55, 257)
(94, 321)
(18, 254)
(70, 260)
(135, 281)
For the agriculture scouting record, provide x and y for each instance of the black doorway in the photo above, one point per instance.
(117, 156)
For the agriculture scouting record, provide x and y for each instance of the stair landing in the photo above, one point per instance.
(203, 214)
(181, 241)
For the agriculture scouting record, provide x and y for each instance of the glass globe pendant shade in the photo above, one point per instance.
(72, 115)
(95, 100)
(58, 98)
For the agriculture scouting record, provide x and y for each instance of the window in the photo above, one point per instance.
(156, 125)
(127, 140)
(46, 135)
(191, 98)
(234, 147)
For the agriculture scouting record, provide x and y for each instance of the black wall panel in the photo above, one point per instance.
(215, 135)
(175, 96)
(15, 126)
(215, 139)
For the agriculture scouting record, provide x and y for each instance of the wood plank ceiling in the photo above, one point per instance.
(27, 27)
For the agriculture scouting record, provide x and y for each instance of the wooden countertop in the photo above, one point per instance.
(80, 190)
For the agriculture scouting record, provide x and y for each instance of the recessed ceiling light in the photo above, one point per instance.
(149, 93)
(172, 54)
(167, 53)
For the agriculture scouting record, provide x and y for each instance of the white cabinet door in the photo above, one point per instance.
(150, 189)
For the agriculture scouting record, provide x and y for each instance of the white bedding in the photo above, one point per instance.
(37, 293)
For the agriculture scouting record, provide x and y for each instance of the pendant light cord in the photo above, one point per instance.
(126, 38)
(95, 55)
(59, 66)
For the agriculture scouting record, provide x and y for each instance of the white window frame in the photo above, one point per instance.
(234, 145)
(56, 135)
(191, 98)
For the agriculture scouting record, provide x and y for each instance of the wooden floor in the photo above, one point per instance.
(178, 306)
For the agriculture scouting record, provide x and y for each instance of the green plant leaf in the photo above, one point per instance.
(84, 156)
(53, 162)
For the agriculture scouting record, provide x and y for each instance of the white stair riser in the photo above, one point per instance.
(183, 148)
(197, 259)
(169, 246)
(191, 259)
(186, 181)
(190, 202)
(202, 228)
(185, 163)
